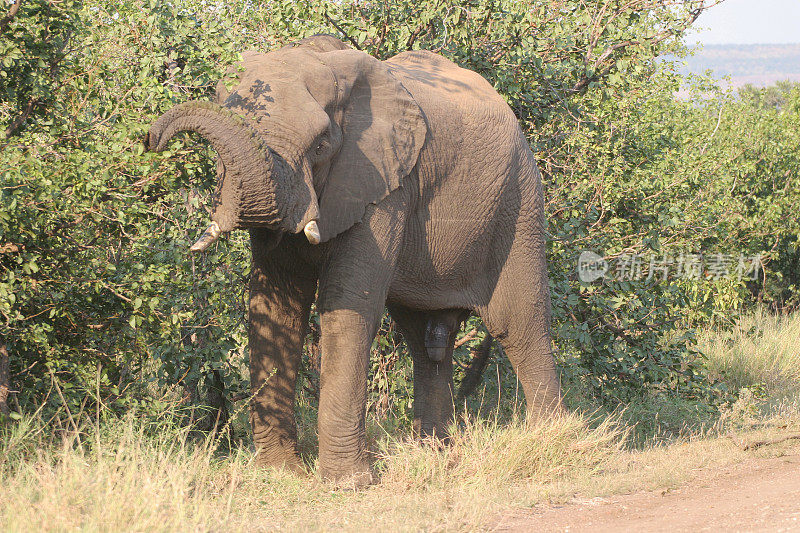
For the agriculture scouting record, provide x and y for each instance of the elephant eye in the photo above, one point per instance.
(323, 142)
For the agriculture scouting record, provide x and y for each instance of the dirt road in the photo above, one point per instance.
(760, 495)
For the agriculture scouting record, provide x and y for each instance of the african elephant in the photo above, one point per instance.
(404, 183)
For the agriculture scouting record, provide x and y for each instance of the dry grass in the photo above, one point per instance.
(761, 351)
(128, 477)
(136, 477)
(485, 453)
(137, 474)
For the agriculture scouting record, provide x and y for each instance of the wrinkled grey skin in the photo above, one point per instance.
(428, 201)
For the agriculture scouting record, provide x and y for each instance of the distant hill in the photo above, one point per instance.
(756, 64)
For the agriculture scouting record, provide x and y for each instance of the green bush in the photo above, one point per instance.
(98, 293)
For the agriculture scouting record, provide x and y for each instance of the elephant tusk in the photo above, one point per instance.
(208, 238)
(312, 232)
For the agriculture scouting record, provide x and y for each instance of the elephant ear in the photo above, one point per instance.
(383, 130)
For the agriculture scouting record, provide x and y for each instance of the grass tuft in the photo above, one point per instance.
(488, 453)
(761, 351)
(126, 475)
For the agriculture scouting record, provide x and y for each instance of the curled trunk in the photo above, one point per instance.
(252, 188)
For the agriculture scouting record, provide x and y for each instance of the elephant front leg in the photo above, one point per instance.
(280, 301)
(353, 285)
(346, 339)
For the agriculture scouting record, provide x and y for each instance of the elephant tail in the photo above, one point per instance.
(474, 372)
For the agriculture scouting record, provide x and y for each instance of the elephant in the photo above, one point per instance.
(405, 184)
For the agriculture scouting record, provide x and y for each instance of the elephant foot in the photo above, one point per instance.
(358, 477)
(429, 432)
(289, 462)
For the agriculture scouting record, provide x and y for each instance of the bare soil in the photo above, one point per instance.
(757, 495)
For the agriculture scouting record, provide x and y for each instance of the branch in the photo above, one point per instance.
(415, 34)
(66, 407)
(659, 37)
(466, 338)
(617, 330)
(5, 21)
(719, 120)
(381, 39)
(5, 379)
(20, 120)
(340, 30)
(760, 443)
(35, 102)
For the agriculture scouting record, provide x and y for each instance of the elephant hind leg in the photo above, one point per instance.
(433, 376)
(518, 316)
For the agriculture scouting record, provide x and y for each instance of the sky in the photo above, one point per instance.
(750, 22)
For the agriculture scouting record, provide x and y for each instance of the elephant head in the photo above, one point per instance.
(313, 133)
